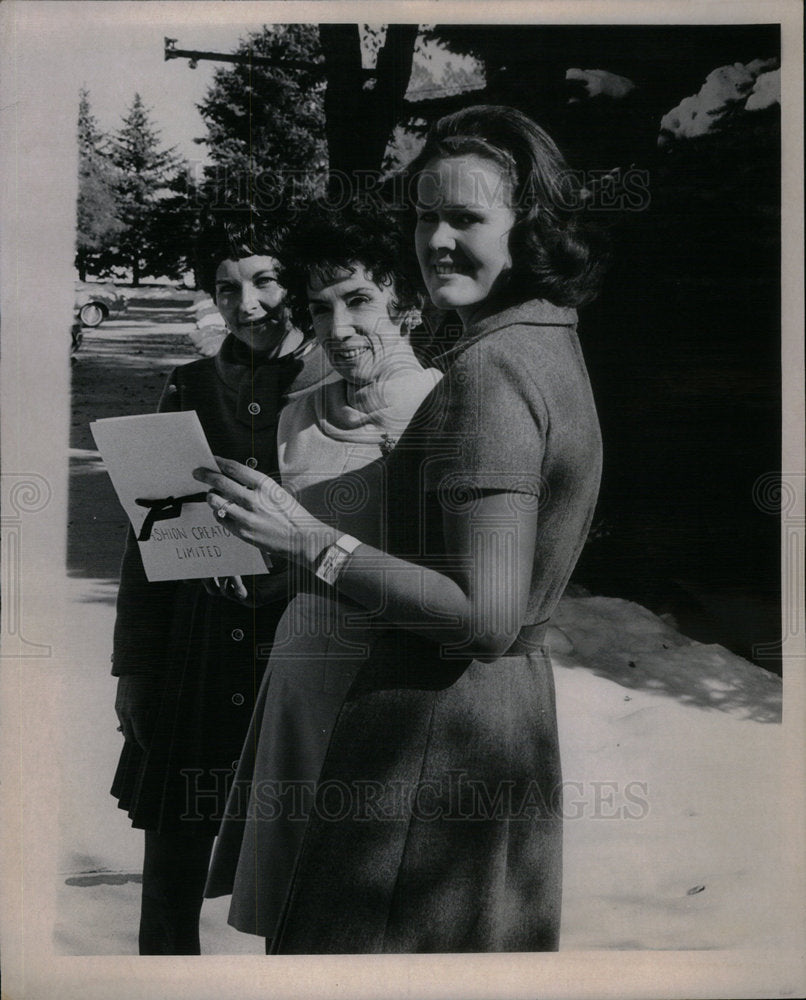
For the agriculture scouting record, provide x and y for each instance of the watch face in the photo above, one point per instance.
(334, 558)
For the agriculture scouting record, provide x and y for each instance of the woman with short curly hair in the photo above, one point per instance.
(322, 239)
(345, 278)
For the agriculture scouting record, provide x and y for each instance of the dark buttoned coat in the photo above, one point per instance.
(205, 654)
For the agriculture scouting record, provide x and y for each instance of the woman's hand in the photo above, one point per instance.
(264, 589)
(261, 512)
(136, 707)
(230, 587)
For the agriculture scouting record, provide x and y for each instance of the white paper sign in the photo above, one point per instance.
(150, 460)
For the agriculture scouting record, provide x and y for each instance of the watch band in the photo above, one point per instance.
(335, 557)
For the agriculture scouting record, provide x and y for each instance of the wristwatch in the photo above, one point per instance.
(335, 557)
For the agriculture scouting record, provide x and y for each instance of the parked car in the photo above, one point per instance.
(96, 301)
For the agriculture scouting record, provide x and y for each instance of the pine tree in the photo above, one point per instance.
(172, 229)
(266, 124)
(97, 225)
(146, 173)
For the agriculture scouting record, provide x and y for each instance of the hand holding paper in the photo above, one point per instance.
(150, 460)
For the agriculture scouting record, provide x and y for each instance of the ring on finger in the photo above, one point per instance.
(221, 513)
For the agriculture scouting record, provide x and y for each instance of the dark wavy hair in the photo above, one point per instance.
(556, 253)
(323, 240)
(232, 235)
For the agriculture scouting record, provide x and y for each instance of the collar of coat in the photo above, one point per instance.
(534, 312)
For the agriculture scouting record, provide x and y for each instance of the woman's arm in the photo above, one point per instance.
(474, 603)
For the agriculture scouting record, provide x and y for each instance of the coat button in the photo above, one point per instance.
(237, 698)
(254, 409)
(235, 764)
(252, 462)
(237, 634)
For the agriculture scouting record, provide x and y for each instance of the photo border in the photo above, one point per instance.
(40, 79)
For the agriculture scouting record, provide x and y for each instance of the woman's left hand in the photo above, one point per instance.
(261, 512)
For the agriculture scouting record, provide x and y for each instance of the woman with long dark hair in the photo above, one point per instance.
(437, 823)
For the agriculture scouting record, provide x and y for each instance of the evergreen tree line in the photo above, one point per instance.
(134, 211)
(140, 204)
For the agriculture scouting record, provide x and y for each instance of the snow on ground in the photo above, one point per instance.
(670, 752)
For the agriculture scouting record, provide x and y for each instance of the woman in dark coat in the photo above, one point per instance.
(190, 661)
(437, 823)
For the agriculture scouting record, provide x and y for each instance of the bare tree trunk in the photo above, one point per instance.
(360, 119)
(345, 126)
(393, 74)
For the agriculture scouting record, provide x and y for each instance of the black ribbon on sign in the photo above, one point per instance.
(164, 510)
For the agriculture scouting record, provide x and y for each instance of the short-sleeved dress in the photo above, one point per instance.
(437, 823)
(330, 448)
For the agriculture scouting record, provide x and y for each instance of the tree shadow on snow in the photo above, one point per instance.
(633, 647)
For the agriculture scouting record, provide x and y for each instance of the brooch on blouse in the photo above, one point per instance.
(387, 444)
